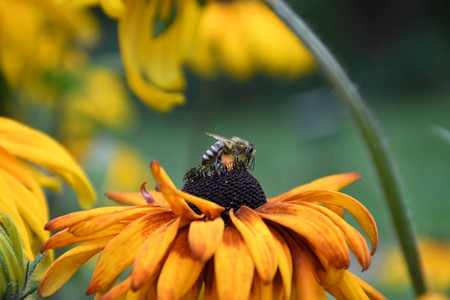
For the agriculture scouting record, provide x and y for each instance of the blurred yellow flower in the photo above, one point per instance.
(40, 43)
(242, 37)
(22, 151)
(235, 245)
(435, 264)
(238, 37)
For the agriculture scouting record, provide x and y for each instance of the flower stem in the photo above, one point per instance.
(367, 125)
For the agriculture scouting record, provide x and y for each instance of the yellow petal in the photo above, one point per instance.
(116, 256)
(13, 166)
(80, 216)
(178, 204)
(210, 282)
(67, 264)
(284, 262)
(180, 271)
(151, 254)
(370, 291)
(305, 282)
(234, 267)
(353, 206)
(96, 224)
(313, 226)
(332, 183)
(258, 240)
(39, 148)
(210, 209)
(117, 291)
(349, 288)
(64, 238)
(354, 239)
(261, 290)
(205, 237)
(126, 198)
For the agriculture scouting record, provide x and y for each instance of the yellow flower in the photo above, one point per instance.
(238, 245)
(435, 264)
(36, 56)
(22, 150)
(242, 37)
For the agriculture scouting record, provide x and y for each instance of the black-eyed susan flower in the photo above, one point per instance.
(218, 238)
(24, 154)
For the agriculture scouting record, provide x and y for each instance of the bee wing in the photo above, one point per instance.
(220, 138)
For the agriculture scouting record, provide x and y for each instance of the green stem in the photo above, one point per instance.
(367, 125)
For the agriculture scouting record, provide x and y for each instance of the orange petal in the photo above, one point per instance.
(67, 264)
(117, 256)
(353, 238)
(284, 262)
(126, 198)
(99, 223)
(64, 238)
(79, 216)
(234, 267)
(349, 288)
(180, 271)
(305, 282)
(258, 240)
(34, 146)
(353, 206)
(314, 226)
(332, 183)
(205, 237)
(210, 209)
(152, 252)
(370, 291)
(160, 175)
(117, 291)
(210, 282)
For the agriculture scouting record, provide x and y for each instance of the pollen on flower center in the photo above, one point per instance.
(230, 188)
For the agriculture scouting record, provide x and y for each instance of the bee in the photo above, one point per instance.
(236, 148)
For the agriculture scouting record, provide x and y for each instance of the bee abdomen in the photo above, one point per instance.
(211, 154)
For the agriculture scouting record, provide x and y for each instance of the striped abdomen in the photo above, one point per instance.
(212, 153)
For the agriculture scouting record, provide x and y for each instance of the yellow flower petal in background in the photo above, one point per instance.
(36, 147)
(237, 37)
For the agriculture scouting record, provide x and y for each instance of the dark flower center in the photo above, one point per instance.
(229, 188)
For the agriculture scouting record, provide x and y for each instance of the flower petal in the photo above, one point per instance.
(353, 206)
(205, 237)
(117, 291)
(349, 288)
(305, 282)
(314, 226)
(34, 146)
(79, 216)
(370, 291)
(353, 238)
(116, 256)
(332, 183)
(150, 256)
(258, 240)
(99, 223)
(234, 267)
(67, 264)
(284, 262)
(209, 208)
(180, 271)
(64, 238)
(126, 198)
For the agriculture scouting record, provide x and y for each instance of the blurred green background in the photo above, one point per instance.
(396, 52)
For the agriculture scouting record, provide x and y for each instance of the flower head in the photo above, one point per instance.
(219, 238)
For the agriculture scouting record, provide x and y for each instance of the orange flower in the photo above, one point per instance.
(235, 245)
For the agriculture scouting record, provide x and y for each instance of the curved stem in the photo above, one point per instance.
(367, 126)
